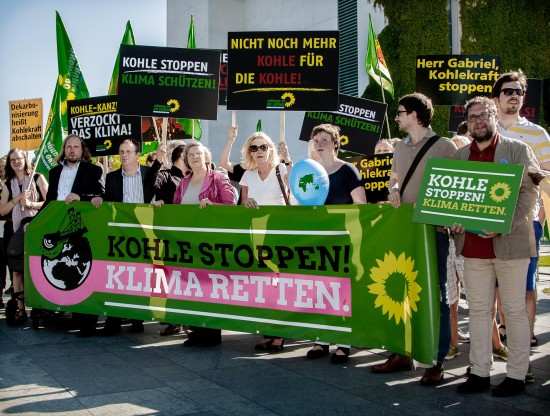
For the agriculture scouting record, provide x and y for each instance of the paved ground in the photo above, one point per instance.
(52, 372)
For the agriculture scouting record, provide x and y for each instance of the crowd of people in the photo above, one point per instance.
(496, 272)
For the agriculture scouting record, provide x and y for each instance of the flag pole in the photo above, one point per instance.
(281, 126)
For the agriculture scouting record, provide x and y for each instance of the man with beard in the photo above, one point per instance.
(75, 178)
(509, 94)
(414, 115)
(490, 256)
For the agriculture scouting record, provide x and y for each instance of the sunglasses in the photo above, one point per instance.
(262, 147)
(511, 91)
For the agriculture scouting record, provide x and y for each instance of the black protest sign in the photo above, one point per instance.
(453, 79)
(360, 121)
(375, 173)
(168, 82)
(96, 121)
(222, 90)
(530, 108)
(290, 71)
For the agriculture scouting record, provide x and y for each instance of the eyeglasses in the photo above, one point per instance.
(16, 159)
(401, 111)
(473, 118)
(262, 147)
(511, 91)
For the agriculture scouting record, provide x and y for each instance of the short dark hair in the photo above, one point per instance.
(420, 104)
(332, 130)
(135, 142)
(486, 101)
(176, 153)
(509, 77)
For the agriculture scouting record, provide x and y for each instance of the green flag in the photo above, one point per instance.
(53, 137)
(70, 76)
(70, 85)
(127, 39)
(375, 63)
(259, 125)
(191, 126)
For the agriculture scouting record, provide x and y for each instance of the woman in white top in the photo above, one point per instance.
(260, 186)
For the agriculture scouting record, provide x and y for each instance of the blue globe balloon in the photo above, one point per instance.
(309, 182)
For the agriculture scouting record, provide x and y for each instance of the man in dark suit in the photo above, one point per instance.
(126, 184)
(75, 178)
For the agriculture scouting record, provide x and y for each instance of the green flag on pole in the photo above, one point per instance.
(259, 126)
(70, 86)
(191, 126)
(127, 39)
(375, 63)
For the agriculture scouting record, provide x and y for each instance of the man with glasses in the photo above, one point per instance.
(414, 115)
(490, 256)
(126, 185)
(509, 95)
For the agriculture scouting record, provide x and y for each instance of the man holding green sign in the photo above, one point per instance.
(492, 255)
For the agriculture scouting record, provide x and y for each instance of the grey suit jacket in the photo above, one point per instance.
(520, 243)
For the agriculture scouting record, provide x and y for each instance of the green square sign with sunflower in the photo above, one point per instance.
(478, 195)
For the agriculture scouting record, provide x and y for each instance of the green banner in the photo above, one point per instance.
(344, 274)
(480, 196)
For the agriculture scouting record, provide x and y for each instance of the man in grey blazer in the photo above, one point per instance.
(490, 256)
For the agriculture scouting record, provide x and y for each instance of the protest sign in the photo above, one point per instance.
(453, 79)
(26, 123)
(478, 195)
(168, 82)
(375, 173)
(291, 71)
(360, 121)
(530, 108)
(338, 273)
(96, 121)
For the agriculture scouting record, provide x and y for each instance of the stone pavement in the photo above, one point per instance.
(52, 372)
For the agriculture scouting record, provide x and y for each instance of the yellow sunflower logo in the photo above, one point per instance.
(108, 144)
(344, 140)
(174, 105)
(289, 98)
(499, 192)
(395, 286)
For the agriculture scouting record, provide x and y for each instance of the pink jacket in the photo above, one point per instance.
(216, 187)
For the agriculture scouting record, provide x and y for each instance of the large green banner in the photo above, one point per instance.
(364, 275)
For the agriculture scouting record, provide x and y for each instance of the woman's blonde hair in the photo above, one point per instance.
(248, 160)
(207, 154)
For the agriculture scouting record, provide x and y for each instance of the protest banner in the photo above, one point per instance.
(291, 71)
(530, 108)
(360, 121)
(375, 173)
(453, 79)
(480, 196)
(168, 82)
(26, 124)
(339, 273)
(96, 121)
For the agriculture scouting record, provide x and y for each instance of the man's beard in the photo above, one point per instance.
(489, 134)
(73, 159)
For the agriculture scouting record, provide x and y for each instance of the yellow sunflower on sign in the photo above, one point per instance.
(395, 286)
(500, 191)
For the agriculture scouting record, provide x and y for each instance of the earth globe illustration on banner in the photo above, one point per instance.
(308, 182)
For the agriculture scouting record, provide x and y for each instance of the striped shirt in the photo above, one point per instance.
(132, 187)
(532, 134)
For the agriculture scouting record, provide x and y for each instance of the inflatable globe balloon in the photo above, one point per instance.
(308, 182)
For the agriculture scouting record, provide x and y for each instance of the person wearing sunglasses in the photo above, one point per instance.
(509, 95)
(261, 186)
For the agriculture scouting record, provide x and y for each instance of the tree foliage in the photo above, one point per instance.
(516, 30)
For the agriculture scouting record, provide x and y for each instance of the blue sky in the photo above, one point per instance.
(28, 60)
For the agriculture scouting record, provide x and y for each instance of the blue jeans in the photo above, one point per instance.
(534, 262)
(442, 243)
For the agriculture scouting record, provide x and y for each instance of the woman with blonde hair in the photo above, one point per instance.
(265, 183)
(22, 198)
(203, 186)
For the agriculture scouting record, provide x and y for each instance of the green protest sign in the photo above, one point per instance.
(336, 273)
(480, 196)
